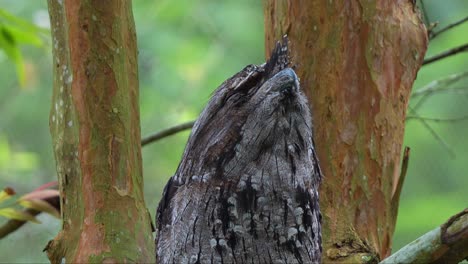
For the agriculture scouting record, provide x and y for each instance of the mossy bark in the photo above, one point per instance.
(357, 61)
(95, 126)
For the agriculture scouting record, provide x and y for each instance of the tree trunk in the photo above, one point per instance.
(357, 61)
(95, 128)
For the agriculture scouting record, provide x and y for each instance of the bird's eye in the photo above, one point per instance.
(286, 89)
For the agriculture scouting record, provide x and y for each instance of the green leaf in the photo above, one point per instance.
(16, 214)
(40, 205)
(15, 31)
(6, 194)
(25, 37)
(8, 44)
(11, 19)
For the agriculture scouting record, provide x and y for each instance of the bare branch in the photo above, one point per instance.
(452, 90)
(439, 85)
(433, 133)
(425, 92)
(166, 132)
(438, 120)
(445, 54)
(424, 12)
(398, 185)
(433, 35)
(445, 244)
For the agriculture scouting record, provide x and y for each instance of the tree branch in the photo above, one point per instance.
(398, 185)
(433, 133)
(446, 54)
(424, 94)
(433, 35)
(452, 90)
(438, 120)
(439, 85)
(423, 10)
(445, 244)
(166, 132)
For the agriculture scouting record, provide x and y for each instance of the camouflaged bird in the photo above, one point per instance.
(246, 190)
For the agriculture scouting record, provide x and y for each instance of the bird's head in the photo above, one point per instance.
(253, 111)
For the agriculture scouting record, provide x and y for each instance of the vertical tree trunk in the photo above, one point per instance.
(95, 128)
(357, 61)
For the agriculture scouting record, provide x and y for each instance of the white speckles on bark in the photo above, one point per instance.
(69, 79)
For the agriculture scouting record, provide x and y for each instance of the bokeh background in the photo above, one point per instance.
(186, 49)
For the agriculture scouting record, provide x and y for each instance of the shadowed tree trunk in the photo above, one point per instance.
(357, 61)
(95, 128)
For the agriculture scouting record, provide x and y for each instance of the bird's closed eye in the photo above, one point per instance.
(286, 89)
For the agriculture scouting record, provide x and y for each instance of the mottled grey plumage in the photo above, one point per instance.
(246, 188)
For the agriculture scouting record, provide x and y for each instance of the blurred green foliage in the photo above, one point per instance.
(186, 49)
(15, 31)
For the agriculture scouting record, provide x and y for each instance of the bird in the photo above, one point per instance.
(246, 189)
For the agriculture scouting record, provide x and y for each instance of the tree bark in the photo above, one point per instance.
(94, 122)
(357, 61)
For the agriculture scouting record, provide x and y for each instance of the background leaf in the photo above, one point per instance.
(15, 31)
(6, 194)
(40, 194)
(12, 213)
(40, 205)
(9, 45)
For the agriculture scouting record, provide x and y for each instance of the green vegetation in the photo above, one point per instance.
(186, 49)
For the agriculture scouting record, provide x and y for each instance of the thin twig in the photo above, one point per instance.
(437, 120)
(166, 132)
(433, 35)
(399, 183)
(433, 133)
(423, 9)
(446, 54)
(451, 90)
(429, 89)
(438, 85)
